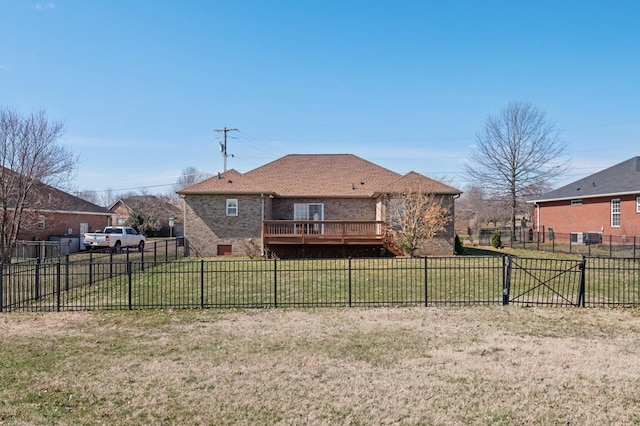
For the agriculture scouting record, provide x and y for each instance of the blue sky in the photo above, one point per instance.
(141, 85)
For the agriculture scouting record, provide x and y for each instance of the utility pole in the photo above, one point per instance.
(223, 145)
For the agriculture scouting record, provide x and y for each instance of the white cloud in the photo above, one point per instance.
(43, 7)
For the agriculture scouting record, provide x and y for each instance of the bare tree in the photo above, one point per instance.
(517, 150)
(107, 198)
(190, 176)
(472, 209)
(149, 214)
(88, 195)
(30, 154)
(417, 217)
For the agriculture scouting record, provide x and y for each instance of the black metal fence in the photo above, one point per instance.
(28, 283)
(590, 244)
(145, 283)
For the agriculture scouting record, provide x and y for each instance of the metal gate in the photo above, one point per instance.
(551, 282)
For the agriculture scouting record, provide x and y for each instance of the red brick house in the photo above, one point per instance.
(605, 203)
(52, 212)
(326, 205)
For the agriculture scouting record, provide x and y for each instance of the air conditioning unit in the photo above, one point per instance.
(592, 238)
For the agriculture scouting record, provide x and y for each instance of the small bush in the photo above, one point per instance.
(252, 248)
(458, 247)
(496, 241)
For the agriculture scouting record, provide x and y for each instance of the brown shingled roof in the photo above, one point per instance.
(318, 175)
(416, 181)
(44, 197)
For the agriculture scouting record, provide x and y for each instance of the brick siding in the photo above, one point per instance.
(593, 215)
(59, 224)
(207, 226)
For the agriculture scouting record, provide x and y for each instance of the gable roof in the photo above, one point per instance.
(416, 181)
(142, 202)
(45, 198)
(621, 179)
(318, 175)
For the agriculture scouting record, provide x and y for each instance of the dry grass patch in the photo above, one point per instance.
(474, 365)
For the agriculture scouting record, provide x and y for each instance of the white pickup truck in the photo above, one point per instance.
(114, 237)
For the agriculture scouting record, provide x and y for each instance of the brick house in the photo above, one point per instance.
(604, 203)
(52, 212)
(152, 205)
(323, 205)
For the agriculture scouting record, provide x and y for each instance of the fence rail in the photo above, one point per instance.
(590, 244)
(28, 283)
(140, 283)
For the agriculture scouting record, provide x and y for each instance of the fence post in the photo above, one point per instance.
(506, 277)
(91, 267)
(130, 285)
(66, 273)
(166, 250)
(426, 298)
(610, 245)
(58, 284)
(581, 290)
(275, 283)
(37, 278)
(202, 283)
(349, 281)
(1, 286)
(634, 247)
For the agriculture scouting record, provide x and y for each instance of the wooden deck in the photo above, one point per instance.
(323, 232)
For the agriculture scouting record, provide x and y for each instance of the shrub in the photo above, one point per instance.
(495, 240)
(458, 247)
(252, 248)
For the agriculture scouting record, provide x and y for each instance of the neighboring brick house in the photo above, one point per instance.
(323, 205)
(605, 203)
(52, 212)
(152, 205)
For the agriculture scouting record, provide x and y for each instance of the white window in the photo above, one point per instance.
(576, 202)
(638, 205)
(232, 207)
(121, 221)
(41, 222)
(615, 212)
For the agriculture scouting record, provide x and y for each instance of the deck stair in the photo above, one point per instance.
(390, 243)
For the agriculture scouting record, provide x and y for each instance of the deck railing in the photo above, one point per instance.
(323, 231)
